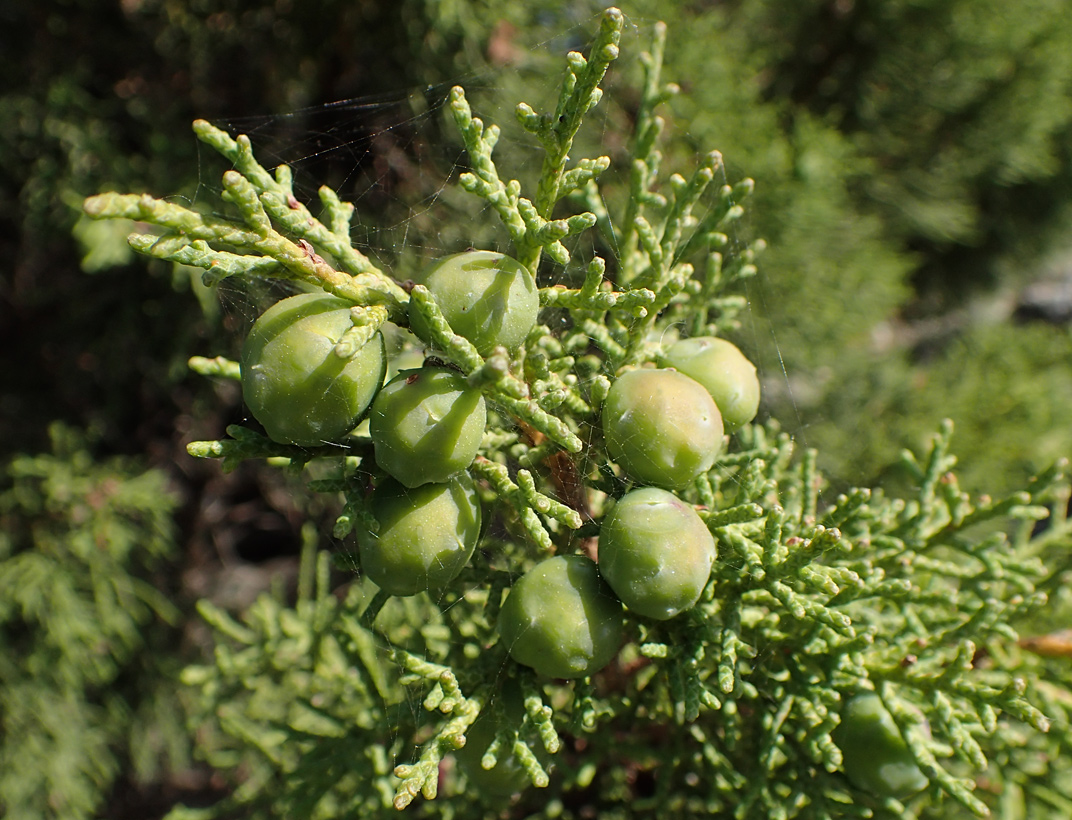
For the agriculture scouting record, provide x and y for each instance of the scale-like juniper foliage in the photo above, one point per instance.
(352, 703)
(81, 661)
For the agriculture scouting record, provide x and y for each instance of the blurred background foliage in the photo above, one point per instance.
(913, 161)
